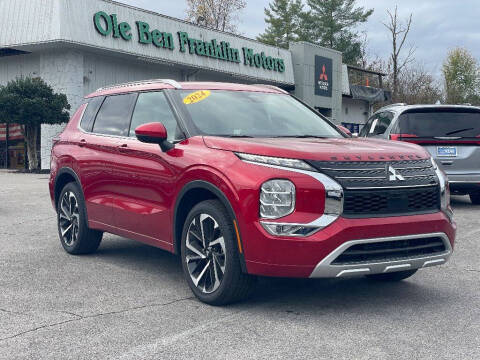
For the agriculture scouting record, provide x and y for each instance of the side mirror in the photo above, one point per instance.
(154, 133)
(344, 130)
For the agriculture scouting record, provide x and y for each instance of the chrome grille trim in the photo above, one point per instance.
(377, 174)
(333, 193)
(389, 187)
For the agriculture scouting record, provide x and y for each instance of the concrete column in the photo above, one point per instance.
(63, 71)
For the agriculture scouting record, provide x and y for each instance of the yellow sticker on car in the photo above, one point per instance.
(196, 97)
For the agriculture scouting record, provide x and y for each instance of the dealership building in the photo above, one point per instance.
(80, 46)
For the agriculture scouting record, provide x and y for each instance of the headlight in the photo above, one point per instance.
(277, 199)
(275, 161)
(444, 190)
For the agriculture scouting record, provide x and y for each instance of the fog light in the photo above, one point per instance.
(288, 229)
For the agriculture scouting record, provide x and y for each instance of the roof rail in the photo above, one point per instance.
(391, 105)
(397, 104)
(173, 83)
(273, 87)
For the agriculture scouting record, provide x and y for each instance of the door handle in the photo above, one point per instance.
(123, 147)
(82, 143)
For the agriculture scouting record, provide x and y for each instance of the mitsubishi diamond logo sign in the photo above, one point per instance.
(323, 76)
(394, 175)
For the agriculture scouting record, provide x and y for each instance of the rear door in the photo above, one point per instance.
(104, 122)
(451, 136)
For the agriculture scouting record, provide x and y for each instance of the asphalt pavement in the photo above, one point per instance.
(130, 301)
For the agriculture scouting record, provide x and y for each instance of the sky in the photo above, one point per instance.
(437, 26)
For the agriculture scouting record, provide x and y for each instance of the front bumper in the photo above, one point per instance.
(464, 183)
(312, 256)
(463, 178)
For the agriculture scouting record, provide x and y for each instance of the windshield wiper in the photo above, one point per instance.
(301, 136)
(233, 136)
(458, 131)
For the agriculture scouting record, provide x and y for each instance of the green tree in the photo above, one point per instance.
(283, 22)
(461, 76)
(31, 102)
(332, 23)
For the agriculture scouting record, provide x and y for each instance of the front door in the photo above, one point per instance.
(145, 177)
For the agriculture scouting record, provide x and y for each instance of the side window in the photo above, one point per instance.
(384, 120)
(90, 112)
(114, 115)
(154, 107)
(378, 124)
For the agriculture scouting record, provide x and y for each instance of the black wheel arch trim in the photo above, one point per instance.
(70, 171)
(201, 184)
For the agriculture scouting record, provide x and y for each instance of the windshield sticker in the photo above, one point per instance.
(196, 97)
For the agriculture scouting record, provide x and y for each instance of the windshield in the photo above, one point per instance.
(253, 114)
(441, 123)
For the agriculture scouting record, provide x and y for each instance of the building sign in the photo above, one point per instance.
(323, 76)
(109, 25)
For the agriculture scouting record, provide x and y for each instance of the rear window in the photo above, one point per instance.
(440, 123)
(91, 112)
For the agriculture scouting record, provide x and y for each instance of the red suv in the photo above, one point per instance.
(245, 180)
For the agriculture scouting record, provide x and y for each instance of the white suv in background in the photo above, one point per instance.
(450, 133)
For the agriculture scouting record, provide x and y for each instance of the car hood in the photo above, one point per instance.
(332, 149)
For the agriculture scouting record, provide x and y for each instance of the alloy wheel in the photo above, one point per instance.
(205, 254)
(69, 218)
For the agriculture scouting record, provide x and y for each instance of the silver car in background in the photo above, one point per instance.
(450, 133)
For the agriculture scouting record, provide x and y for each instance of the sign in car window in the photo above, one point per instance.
(323, 76)
(196, 96)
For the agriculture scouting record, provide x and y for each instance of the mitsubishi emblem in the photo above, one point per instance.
(394, 175)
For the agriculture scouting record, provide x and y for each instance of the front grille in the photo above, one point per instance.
(388, 188)
(385, 251)
(375, 174)
(386, 202)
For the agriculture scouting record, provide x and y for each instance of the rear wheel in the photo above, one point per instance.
(393, 276)
(210, 260)
(76, 237)
(475, 198)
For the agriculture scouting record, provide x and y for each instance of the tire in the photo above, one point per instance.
(393, 276)
(75, 236)
(475, 198)
(205, 255)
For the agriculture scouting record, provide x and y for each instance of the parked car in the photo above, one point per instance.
(451, 134)
(242, 181)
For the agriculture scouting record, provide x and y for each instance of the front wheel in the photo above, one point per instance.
(393, 276)
(210, 260)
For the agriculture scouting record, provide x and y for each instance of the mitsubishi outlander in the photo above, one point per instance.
(245, 180)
